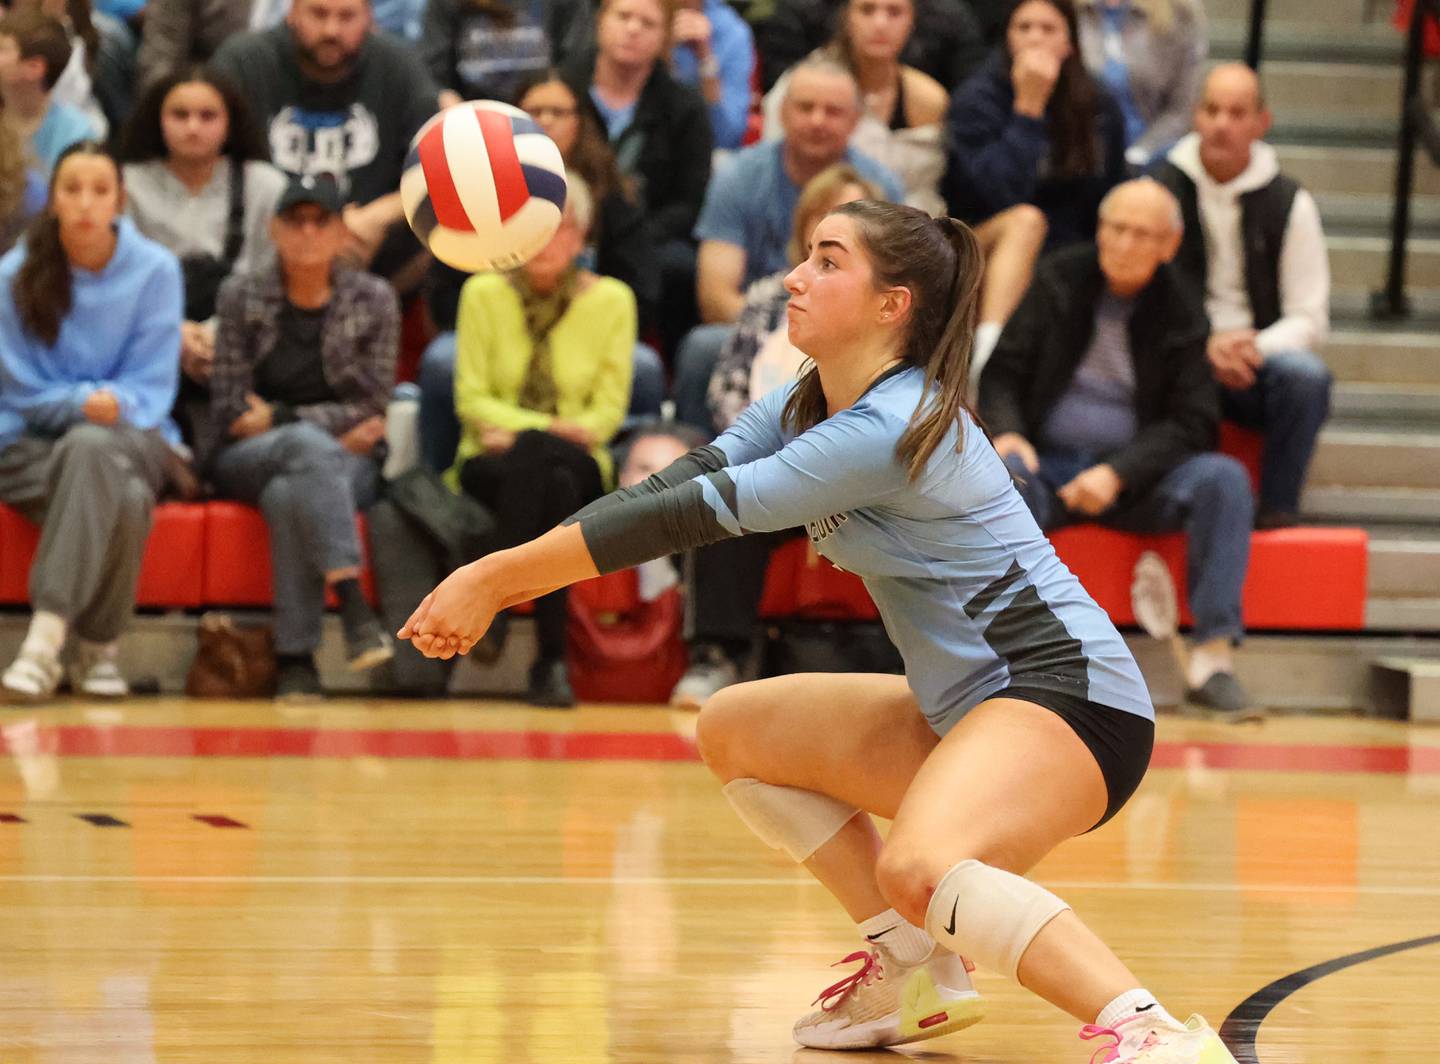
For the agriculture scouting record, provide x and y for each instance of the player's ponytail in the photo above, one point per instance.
(940, 262)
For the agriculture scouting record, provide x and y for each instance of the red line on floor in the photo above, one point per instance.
(76, 740)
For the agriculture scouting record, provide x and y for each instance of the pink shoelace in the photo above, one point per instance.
(1107, 1054)
(832, 997)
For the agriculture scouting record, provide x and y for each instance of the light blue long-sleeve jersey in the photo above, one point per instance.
(122, 334)
(970, 590)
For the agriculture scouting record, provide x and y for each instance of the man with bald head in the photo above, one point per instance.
(1100, 400)
(1254, 252)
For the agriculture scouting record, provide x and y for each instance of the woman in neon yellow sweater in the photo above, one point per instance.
(542, 382)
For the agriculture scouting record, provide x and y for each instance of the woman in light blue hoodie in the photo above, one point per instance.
(90, 315)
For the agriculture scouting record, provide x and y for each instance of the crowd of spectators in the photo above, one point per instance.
(208, 268)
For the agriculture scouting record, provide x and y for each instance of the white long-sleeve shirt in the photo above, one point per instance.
(1304, 261)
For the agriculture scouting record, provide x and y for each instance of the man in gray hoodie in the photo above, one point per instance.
(1255, 254)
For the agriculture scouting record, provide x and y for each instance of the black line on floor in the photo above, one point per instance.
(1242, 1026)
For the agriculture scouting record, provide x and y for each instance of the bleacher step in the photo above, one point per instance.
(1403, 567)
(1363, 261)
(1354, 214)
(1407, 689)
(1343, 504)
(1356, 91)
(1359, 352)
(1400, 403)
(1377, 458)
(1341, 14)
(1353, 170)
(1352, 302)
(1389, 614)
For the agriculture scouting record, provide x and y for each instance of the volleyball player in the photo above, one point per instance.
(1022, 719)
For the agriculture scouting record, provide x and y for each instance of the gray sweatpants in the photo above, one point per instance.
(91, 492)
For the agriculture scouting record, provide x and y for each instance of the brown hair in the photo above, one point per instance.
(940, 262)
(591, 157)
(819, 191)
(39, 36)
(13, 171)
(44, 285)
(1074, 103)
(841, 47)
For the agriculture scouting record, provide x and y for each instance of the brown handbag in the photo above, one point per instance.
(231, 661)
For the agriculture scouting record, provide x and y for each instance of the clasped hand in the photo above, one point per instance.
(455, 616)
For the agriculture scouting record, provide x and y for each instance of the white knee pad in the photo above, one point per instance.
(989, 915)
(788, 818)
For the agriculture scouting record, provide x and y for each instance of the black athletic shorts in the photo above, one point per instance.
(1121, 741)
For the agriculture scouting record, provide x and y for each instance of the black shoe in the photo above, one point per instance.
(367, 645)
(1223, 695)
(550, 685)
(296, 680)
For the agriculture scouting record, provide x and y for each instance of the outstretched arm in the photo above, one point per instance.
(845, 463)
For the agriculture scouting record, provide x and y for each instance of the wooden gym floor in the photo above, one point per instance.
(475, 882)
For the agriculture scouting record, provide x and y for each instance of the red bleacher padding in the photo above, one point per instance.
(237, 556)
(171, 574)
(1299, 578)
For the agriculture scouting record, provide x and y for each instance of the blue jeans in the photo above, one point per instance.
(1207, 496)
(694, 366)
(440, 428)
(1287, 404)
(309, 488)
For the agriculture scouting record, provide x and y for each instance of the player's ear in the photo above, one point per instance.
(895, 304)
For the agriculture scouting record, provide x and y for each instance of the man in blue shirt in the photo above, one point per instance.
(749, 210)
(714, 53)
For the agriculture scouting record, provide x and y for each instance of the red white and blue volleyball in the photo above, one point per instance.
(484, 187)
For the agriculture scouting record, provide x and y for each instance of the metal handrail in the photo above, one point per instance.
(1255, 42)
(1392, 302)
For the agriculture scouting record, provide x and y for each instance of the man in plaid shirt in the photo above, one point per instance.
(304, 363)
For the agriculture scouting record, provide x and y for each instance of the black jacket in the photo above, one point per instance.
(999, 159)
(1176, 401)
(666, 149)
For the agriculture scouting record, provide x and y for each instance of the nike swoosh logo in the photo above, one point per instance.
(950, 927)
(1147, 1008)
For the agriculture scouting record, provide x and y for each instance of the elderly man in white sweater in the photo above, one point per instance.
(1255, 252)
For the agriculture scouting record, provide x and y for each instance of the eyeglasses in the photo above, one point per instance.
(542, 113)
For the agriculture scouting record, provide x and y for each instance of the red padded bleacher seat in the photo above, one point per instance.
(237, 556)
(171, 574)
(1311, 579)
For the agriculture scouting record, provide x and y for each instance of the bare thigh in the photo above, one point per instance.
(1007, 785)
(860, 738)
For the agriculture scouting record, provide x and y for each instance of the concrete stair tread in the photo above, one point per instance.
(1311, 40)
(1403, 614)
(1357, 214)
(1351, 504)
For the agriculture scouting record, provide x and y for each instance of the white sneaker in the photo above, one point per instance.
(709, 672)
(95, 673)
(886, 1003)
(1138, 1040)
(32, 677)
